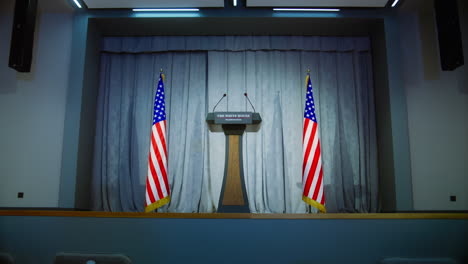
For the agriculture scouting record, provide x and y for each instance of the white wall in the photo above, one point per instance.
(32, 110)
(437, 112)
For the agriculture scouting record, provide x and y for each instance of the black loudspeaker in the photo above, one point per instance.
(22, 35)
(448, 29)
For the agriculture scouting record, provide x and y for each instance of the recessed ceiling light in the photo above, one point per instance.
(308, 9)
(166, 10)
(77, 3)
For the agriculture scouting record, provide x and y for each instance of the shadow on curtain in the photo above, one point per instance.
(272, 70)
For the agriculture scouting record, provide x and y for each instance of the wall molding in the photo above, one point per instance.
(414, 215)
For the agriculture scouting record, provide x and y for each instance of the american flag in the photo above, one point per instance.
(157, 186)
(312, 175)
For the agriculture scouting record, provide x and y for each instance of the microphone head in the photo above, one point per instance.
(224, 95)
(245, 94)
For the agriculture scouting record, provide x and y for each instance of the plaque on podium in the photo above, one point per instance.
(233, 197)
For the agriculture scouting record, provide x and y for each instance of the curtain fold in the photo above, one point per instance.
(127, 88)
(275, 82)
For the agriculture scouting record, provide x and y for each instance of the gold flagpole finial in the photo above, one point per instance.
(307, 78)
(162, 75)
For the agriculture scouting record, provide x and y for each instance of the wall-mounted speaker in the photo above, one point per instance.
(22, 35)
(448, 30)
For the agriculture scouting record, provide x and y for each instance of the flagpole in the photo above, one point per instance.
(157, 185)
(308, 76)
(162, 75)
(313, 184)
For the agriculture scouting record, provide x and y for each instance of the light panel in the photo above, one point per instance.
(317, 3)
(77, 3)
(307, 9)
(395, 2)
(131, 4)
(166, 10)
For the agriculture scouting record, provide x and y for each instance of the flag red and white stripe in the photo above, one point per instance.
(312, 174)
(157, 185)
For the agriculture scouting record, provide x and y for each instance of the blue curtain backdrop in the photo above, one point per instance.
(271, 69)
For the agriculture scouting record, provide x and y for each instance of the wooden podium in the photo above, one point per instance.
(233, 197)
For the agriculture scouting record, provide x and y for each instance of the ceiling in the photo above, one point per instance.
(220, 3)
(7, 6)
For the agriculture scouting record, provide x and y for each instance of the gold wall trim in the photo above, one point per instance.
(234, 215)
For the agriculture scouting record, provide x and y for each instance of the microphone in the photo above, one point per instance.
(245, 94)
(224, 95)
